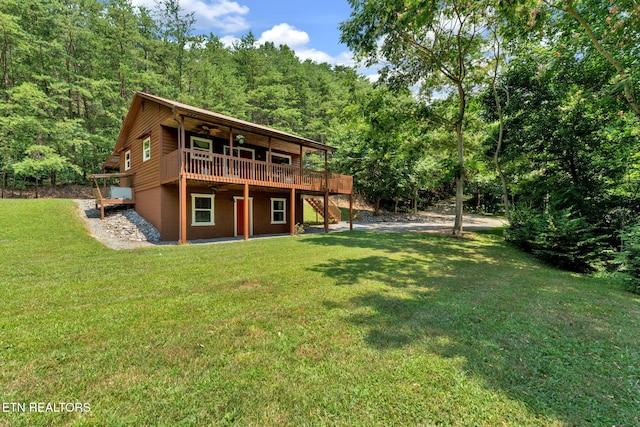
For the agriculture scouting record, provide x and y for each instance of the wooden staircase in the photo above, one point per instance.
(318, 205)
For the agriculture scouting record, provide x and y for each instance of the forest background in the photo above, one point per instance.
(529, 108)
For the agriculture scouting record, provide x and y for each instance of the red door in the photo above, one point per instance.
(240, 216)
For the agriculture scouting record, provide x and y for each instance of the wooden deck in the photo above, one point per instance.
(100, 196)
(209, 167)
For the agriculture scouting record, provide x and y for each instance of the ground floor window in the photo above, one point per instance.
(278, 211)
(202, 209)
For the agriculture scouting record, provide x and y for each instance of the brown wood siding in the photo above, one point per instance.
(170, 215)
(147, 124)
(148, 205)
(223, 213)
(169, 139)
(262, 213)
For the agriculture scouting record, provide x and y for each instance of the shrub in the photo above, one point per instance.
(629, 257)
(556, 236)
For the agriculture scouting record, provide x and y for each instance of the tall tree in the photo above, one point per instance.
(608, 28)
(176, 32)
(438, 45)
(376, 135)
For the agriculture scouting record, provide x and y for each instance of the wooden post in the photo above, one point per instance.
(326, 192)
(247, 206)
(182, 189)
(326, 211)
(182, 194)
(351, 211)
(269, 163)
(231, 151)
(301, 166)
(292, 220)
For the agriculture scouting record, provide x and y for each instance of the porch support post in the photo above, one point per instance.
(301, 165)
(326, 192)
(182, 234)
(292, 218)
(326, 211)
(269, 163)
(182, 190)
(351, 211)
(245, 213)
(231, 171)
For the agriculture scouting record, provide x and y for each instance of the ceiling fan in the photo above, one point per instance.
(208, 130)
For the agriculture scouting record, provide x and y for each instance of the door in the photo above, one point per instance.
(240, 217)
(243, 170)
(238, 223)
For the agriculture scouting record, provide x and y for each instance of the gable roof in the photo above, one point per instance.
(205, 115)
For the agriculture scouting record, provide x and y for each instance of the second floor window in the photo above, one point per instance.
(146, 149)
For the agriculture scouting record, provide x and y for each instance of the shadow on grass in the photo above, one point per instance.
(530, 332)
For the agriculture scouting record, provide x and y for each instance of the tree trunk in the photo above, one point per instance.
(457, 226)
(496, 155)
(4, 180)
(377, 209)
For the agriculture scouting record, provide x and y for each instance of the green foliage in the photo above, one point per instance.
(42, 161)
(557, 236)
(69, 70)
(629, 257)
(379, 145)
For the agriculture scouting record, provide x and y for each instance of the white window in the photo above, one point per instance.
(242, 152)
(146, 149)
(280, 159)
(202, 209)
(127, 160)
(201, 144)
(278, 211)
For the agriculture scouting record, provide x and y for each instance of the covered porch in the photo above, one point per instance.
(242, 208)
(222, 152)
(212, 167)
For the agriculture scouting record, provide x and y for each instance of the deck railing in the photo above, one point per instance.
(203, 166)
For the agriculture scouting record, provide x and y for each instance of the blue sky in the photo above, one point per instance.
(309, 27)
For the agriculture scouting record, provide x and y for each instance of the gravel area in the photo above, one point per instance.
(422, 222)
(121, 228)
(125, 229)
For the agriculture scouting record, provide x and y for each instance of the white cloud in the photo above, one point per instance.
(285, 34)
(222, 15)
(227, 16)
(298, 41)
(228, 41)
(373, 78)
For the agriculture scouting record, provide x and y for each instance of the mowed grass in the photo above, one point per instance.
(342, 329)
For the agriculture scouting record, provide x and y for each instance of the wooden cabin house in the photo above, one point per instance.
(195, 174)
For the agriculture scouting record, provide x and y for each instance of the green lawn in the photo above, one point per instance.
(345, 329)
